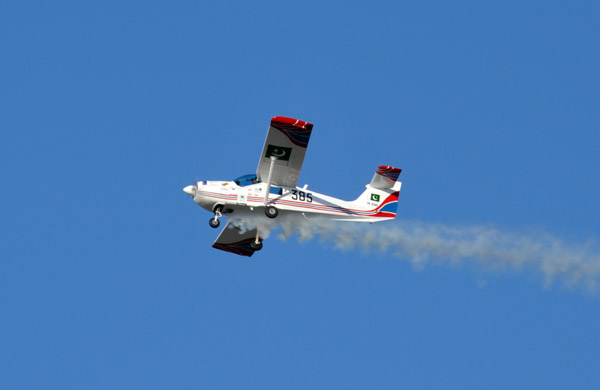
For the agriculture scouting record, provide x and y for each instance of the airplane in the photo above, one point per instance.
(273, 191)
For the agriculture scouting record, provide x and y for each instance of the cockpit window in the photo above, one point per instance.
(246, 180)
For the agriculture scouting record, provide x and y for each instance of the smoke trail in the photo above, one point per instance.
(422, 243)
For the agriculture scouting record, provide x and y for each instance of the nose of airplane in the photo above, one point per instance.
(189, 190)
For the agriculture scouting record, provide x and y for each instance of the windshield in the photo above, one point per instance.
(246, 180)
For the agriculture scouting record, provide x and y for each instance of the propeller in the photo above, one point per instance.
(192, 189)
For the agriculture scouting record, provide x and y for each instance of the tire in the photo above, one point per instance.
(256, 246)
(214, 223)
(271, 212)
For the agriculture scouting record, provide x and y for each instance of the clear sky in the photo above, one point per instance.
(109, 108)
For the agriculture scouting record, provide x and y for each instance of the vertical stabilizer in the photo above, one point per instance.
(381, 195)
(385, 177)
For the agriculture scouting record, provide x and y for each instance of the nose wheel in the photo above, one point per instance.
(214, 222)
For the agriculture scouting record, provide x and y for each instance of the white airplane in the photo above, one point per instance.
(272, 190)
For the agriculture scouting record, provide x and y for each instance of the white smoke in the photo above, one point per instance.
(422, 243)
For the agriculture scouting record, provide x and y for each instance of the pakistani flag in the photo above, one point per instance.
(375, 197)
(279, 152)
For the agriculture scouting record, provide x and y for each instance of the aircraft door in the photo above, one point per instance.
(242, 198)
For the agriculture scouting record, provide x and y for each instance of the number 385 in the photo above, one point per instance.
(301, 196)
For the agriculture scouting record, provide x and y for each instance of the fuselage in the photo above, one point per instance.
(240, 195)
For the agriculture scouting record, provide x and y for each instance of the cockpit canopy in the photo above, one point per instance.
(246, 180)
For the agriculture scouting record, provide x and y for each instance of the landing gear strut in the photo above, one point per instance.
(214, 222)
(270, 211)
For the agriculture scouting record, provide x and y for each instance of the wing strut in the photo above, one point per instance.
(273, 159)
(270, 211)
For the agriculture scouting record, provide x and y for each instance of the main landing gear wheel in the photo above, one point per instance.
(271, 212)
(256, 245)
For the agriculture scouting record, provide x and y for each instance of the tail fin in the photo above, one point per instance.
(385, 177)
(381, 195)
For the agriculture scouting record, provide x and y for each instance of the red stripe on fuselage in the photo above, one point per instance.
(314, 206)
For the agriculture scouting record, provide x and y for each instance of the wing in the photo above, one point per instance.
(287, 140)
(232, 240)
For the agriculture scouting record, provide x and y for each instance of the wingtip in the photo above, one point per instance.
(291, 121)
(388, 169)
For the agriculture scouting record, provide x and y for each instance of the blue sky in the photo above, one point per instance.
(107, 275)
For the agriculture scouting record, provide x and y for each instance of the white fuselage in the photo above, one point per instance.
(233, 197)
